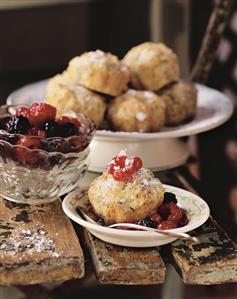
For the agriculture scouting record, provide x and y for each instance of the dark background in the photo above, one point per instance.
(37, 43)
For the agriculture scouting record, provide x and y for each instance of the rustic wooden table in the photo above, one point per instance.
(39, 245)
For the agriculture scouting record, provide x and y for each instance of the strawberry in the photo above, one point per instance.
(40, 113)
(37, 132)
(26, 157)
(29, 142)
(65, 119)
(24, 111)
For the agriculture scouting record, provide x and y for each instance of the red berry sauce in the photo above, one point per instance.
(169, 215)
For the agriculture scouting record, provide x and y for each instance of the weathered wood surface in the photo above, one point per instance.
(37, 244)
(211, 261)
(127, 266)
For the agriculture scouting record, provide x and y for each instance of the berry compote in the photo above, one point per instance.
(36, 127)
(41, 156)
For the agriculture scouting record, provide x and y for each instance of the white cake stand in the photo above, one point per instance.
(159, 151)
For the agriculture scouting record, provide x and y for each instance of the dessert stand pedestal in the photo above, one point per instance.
(156, 154)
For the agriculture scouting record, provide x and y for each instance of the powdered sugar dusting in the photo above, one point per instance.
(122, 152)
(30, 242)
(145, 55)
(96, 55)
(108, 184)
(149, 182)
(148, 95)
(132, 92)
(141, 116)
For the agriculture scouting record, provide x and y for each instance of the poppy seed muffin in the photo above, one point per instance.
(181, 102)
(117, 201)
(99, 71)
(152, 66)
(66, 96)
(137, 111)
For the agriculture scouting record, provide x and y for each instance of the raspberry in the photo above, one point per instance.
(137, 163)
(130, 169)
(110, 168)
(41, 113)
(120, 160)
(122, 168)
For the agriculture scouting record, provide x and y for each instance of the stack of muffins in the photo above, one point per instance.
(140, 93)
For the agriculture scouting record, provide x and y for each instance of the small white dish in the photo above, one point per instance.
(159, 151)
(196, 208)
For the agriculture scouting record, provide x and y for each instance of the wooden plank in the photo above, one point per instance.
(37, 244)
(126, 266)
(211, 261)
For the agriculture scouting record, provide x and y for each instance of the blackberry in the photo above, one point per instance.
(68, 129)
(52, 129)
(18, 124)
(100, 221)
(169, 197)
(147, 222)
(54, 145)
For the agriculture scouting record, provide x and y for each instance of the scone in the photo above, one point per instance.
(125, 192)
(53, 82)
(75, 97)
(99, 71)
(137, 111)
(181, 102)
(152, 66)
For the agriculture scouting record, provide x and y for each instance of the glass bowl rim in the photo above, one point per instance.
(90, 133)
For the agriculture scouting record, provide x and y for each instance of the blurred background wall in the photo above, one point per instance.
(39, 37)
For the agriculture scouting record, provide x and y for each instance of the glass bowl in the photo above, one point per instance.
(38, 176)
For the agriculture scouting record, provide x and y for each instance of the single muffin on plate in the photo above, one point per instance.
(99, 71)
(152, 66)
(66, 96)
(181, 102)
(137, 111)
(125, 192)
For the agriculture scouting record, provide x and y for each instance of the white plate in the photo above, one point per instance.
(159, 151)
(196, 208)
(214, 108)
